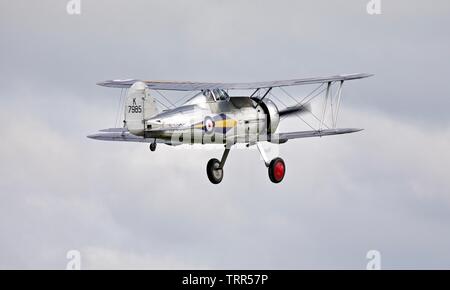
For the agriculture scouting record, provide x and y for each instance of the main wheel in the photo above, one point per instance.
(277, 169)
(215, 174)
(152, 147)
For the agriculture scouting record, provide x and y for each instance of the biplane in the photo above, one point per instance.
(214, 116)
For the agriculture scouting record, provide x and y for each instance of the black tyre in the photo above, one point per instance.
(277, 170)
(215, 174)
(152, 147)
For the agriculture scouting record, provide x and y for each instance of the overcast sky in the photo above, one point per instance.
(122, 206)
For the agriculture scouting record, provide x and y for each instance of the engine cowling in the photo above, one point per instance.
(273, 117)
(271, 112)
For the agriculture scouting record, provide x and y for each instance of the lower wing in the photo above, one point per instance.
(284, 137)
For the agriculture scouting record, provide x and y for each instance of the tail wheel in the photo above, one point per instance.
(215, 173)
(277, 169)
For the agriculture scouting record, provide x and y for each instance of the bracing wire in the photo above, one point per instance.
(164, 97)
(118, 108)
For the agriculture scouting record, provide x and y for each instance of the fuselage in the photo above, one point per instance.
(207, 120)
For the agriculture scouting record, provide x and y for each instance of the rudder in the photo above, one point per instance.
(139, 106)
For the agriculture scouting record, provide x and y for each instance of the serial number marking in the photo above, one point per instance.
(135, 109)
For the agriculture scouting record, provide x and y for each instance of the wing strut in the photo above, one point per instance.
(267, 92)
(254, 93)
(330, 106)
(338, 103)
(327, 94)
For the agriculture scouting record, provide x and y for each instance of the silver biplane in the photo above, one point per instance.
(212, 116)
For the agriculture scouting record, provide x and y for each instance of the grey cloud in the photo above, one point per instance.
(123, 207)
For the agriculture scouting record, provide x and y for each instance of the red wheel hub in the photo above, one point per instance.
(278, 170)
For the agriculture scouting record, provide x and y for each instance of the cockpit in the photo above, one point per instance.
(215, 95)
(220, 95)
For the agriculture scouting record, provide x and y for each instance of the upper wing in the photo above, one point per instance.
(196, 86)
(284, 137)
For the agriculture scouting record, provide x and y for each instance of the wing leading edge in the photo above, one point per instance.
(284, 137)
(197, 86)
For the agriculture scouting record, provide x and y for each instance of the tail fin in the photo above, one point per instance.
(139, 106)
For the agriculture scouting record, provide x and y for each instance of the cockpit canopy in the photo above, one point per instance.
(215, 95)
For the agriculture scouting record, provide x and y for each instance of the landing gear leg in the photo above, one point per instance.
(214, 168)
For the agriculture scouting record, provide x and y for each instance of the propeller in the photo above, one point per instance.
(297, 109)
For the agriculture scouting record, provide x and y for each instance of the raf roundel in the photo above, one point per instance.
(208, 124)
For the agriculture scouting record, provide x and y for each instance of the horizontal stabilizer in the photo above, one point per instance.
(126, 136)
(114, 130)
(119, 136)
